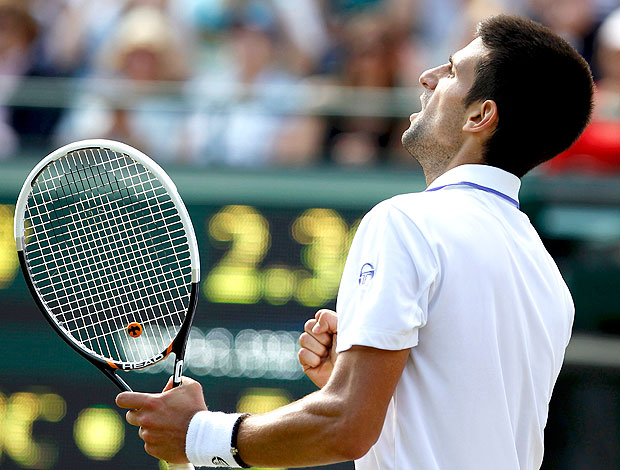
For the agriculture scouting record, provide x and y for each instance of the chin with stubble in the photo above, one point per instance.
(433, 154)
(421, 145)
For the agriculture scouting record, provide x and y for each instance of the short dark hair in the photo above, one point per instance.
(528, 64)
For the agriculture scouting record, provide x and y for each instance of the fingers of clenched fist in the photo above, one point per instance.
(317, 338)
(326, 322)
(308, 359)
(312, 351)
(313, 329)
(318, 346)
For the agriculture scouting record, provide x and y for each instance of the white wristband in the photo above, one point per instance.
(208, 439)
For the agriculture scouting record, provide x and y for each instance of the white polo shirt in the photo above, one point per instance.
(459, 275)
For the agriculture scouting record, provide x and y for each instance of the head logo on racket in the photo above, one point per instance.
(134, 329)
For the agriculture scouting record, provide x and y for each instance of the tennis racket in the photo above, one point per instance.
(110, 256)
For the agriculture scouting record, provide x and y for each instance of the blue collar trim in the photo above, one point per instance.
(482, 188)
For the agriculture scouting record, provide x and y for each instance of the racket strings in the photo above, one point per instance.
(100, 226)
(151, 261)
(79, 291)
(53, 190)
(130, 302)
(138, 282)
(115, 304)
(117, 293)
(94, 215)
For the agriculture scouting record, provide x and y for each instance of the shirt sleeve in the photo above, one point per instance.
(386, 283)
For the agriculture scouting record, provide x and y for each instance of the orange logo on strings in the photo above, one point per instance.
(134, 329)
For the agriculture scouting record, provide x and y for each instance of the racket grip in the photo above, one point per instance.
(180, 466)
(178, 372)
(176, 381)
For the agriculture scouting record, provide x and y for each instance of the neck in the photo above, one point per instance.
(465, 156)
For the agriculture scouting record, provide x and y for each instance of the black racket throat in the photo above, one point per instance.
(177, 347)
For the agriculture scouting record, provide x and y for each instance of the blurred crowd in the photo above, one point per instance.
(264, 82)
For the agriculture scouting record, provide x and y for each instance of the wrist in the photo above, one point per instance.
(212, 439)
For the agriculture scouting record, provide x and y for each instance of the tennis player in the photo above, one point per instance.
(452, 317)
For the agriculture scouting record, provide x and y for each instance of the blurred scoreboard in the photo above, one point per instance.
(272, 245)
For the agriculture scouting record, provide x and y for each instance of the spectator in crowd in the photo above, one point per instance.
(75, 30)
(133, 107)
(250, 96)
(608, 61)
(72, 32)
(370, 62)
(20, 126)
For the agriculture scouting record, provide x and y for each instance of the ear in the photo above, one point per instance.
(481, 117)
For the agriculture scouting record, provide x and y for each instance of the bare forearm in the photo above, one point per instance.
(305, 433)
(339, 422)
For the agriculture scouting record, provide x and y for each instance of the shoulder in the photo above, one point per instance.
(399, 223)
(403, 211)
(422, 222)
(410, 205)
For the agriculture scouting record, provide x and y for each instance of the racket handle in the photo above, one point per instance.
(178, 372)
(180, 466)
(176, 381)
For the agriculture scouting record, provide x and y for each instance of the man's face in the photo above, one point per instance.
(436, 132)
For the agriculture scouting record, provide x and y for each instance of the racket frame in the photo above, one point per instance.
(178, 345)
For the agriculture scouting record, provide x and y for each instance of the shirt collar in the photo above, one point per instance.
(482, 175)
